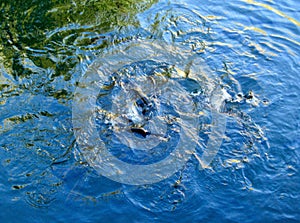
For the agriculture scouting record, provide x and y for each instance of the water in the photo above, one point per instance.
(248, 49)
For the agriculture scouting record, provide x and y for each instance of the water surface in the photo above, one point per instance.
(249, 48)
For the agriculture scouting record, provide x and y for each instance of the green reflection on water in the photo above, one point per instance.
(53, 26)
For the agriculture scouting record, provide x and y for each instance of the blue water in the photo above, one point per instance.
(250, 48)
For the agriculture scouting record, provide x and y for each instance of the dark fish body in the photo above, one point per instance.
(140, 131)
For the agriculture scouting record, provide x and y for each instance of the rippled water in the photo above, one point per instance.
(249, 49)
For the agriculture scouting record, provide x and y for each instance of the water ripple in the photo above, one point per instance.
(251, 51)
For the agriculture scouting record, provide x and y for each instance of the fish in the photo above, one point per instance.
(140, 131)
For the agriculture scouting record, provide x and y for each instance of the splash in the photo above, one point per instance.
(137, 112)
